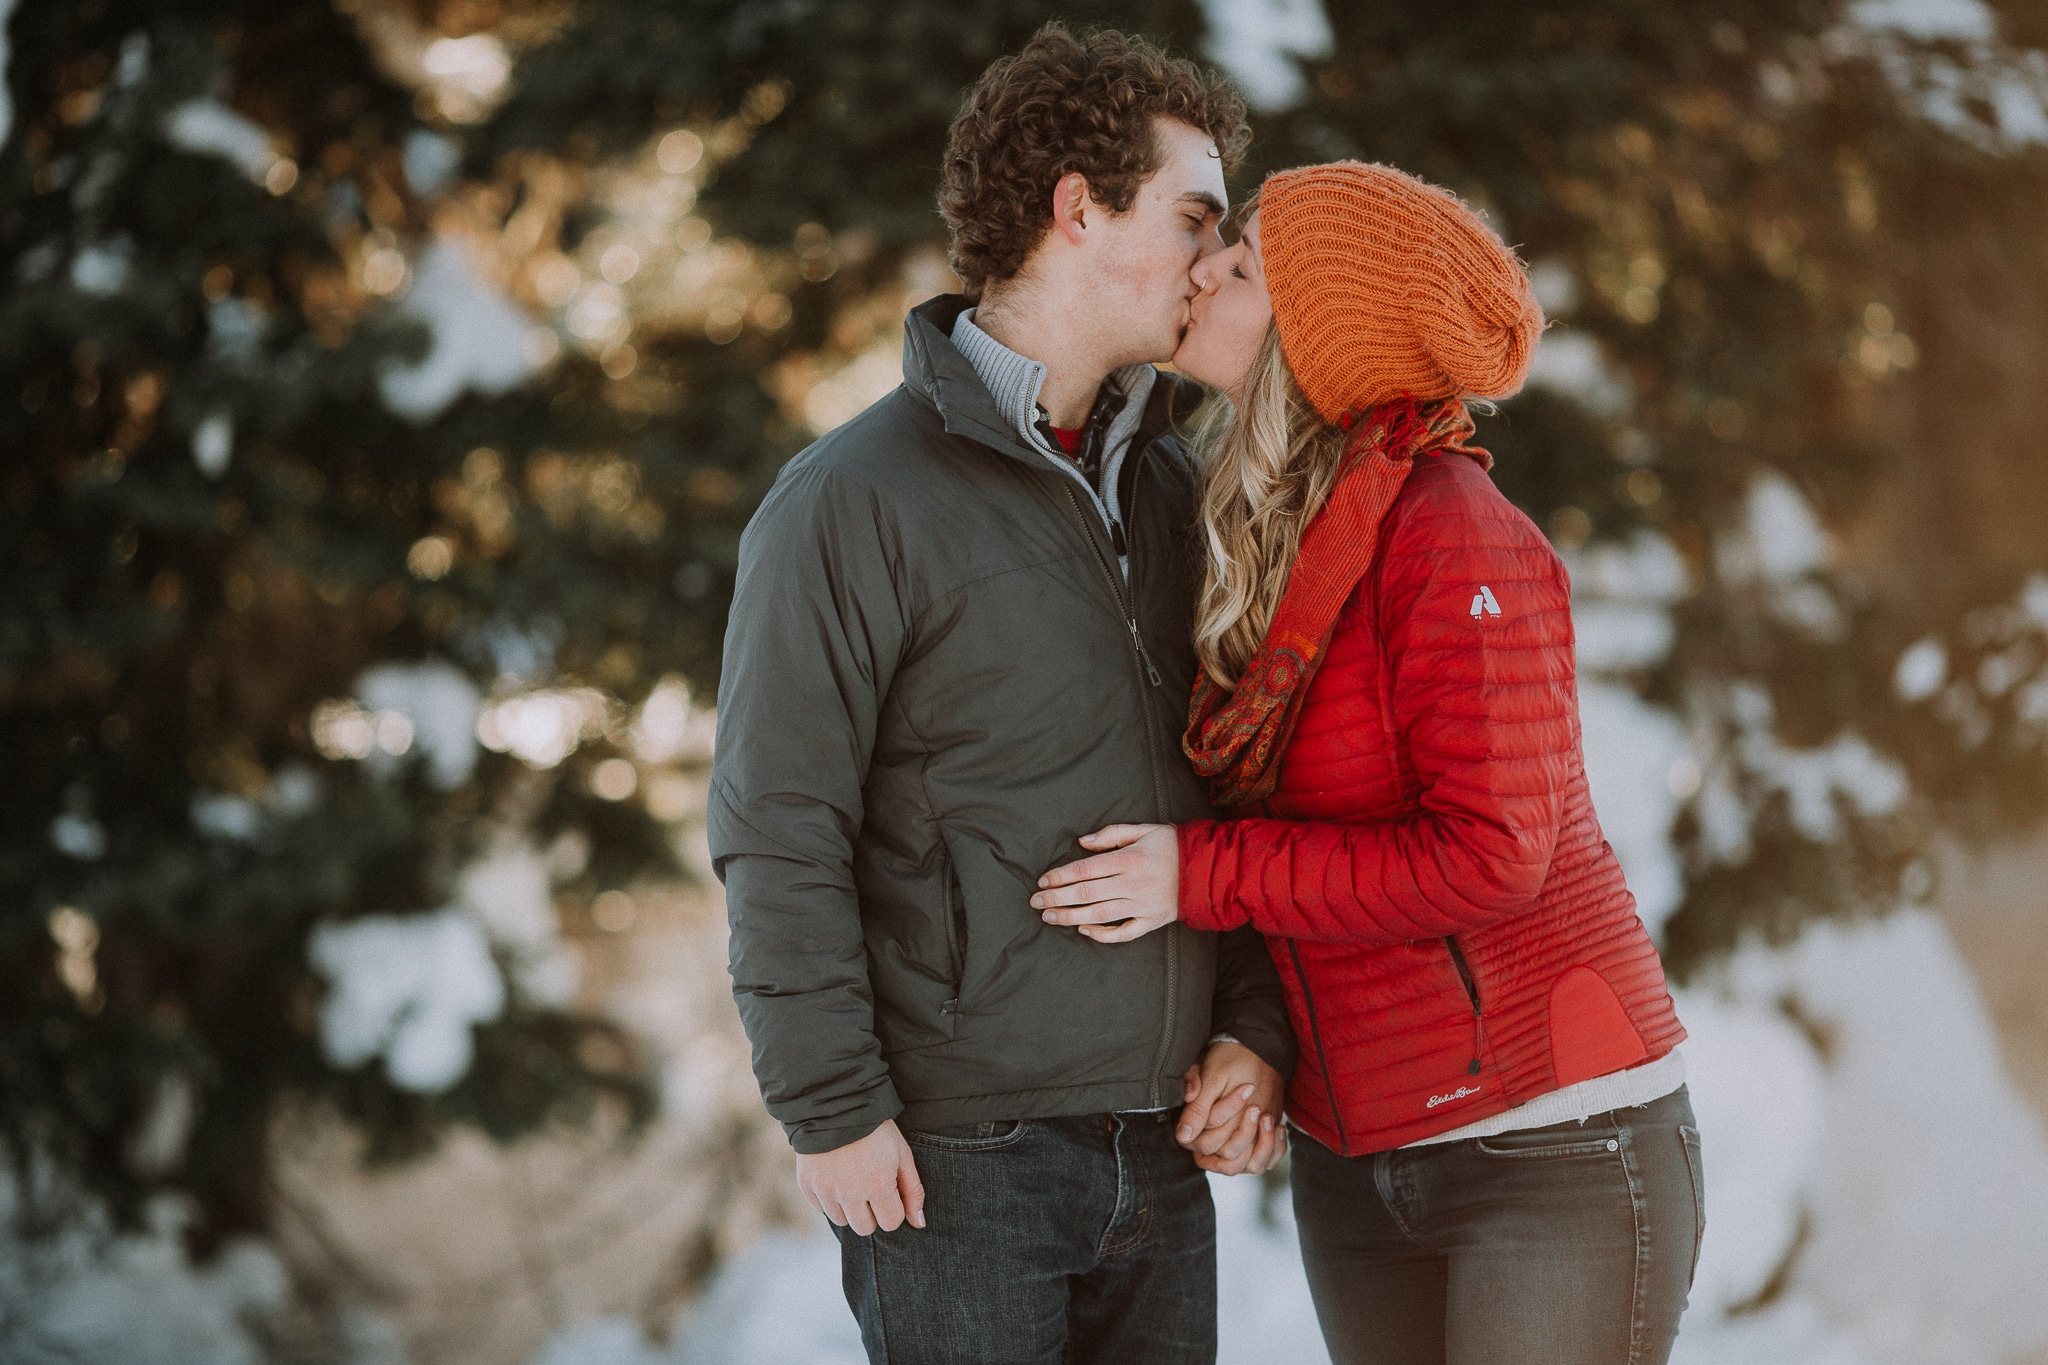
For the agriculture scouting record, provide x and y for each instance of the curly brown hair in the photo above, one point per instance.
(1068, 102)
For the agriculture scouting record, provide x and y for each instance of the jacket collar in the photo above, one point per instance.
(934, 368)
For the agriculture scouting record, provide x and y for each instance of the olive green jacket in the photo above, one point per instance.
(935, 681)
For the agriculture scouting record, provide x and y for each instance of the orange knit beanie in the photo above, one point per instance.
(1383, 286)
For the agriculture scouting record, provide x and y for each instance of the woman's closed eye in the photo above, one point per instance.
(1238, 271)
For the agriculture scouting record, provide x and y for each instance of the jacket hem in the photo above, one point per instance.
(1420, 1131)
(1050, 1102)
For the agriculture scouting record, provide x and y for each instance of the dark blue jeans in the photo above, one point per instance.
(1568, 1245)
(1047, 1242)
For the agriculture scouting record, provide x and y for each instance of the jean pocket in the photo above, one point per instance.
(969, 1137)
(1565, 1140)
(1689, 1138)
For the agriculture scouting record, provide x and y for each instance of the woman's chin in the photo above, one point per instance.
(1188, 361)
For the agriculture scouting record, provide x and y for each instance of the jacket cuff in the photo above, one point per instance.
(1273, 1045)
(1197, 857)
(811, 1139)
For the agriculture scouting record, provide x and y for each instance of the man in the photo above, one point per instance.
(959, 641)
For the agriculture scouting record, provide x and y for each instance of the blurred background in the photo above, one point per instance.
(384, 385)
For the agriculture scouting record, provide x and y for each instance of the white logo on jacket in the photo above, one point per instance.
(1483, 601)
(1460, 1093)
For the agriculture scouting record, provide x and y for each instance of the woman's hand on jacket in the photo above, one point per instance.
(1124, 892)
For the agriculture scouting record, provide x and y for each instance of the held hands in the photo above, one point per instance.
(1135, 879)
(865, 1185)
(1231, 1121)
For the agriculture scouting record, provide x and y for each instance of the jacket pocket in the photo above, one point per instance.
(970, 1137)
(1590, 1031)
(956, 939)
(1559, 1141)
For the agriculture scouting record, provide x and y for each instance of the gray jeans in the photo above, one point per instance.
(1568, 1245)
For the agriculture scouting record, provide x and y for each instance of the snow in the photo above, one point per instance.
(407, 988)
(6, 86)
(1573, 363)
(430, 161)
(543, 727)
(1556, 286)
(133, 1299)
(507, 893)
(1260, 43)
(439, 703)
(1632, 751)
(1756, 1085)
(234, 330)
(213, 443)
(223, 815)
(1930, 1201)
(102, 268)
(1813, 779)
(207, 126)
(1956, 20)
(479, 337)
(1967, 72)
(1782, 539)
(1639, 762)
(76, 834)
(604, 1341)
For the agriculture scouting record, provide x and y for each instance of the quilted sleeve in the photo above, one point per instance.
(1475, 613)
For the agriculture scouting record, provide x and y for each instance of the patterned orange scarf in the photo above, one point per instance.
(1235, 738)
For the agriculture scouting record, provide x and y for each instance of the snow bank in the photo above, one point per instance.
(1757, 1087)
(1929, 1202)
(132, 1299)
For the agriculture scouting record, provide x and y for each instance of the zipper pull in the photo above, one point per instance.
(1116, 537)
(1478, 1042)
(1151, 673)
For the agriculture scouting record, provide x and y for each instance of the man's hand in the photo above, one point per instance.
(1135, 880)
(865, 1185)
(1231, 1121)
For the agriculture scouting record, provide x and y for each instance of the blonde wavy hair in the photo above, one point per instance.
(1270, 461)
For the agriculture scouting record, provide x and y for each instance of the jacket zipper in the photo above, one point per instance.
(1315, 1033)
(1472, 994)
(1151, 676)
(956, 934)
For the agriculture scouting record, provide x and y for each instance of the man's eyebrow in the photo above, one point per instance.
(1205, 199)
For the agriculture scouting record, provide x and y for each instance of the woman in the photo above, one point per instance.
(1498, 1160)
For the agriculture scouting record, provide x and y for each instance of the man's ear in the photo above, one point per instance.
(1071, 205)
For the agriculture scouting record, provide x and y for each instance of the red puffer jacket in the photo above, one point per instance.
(1453, 933)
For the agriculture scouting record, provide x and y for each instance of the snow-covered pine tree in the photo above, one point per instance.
(296, 505)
